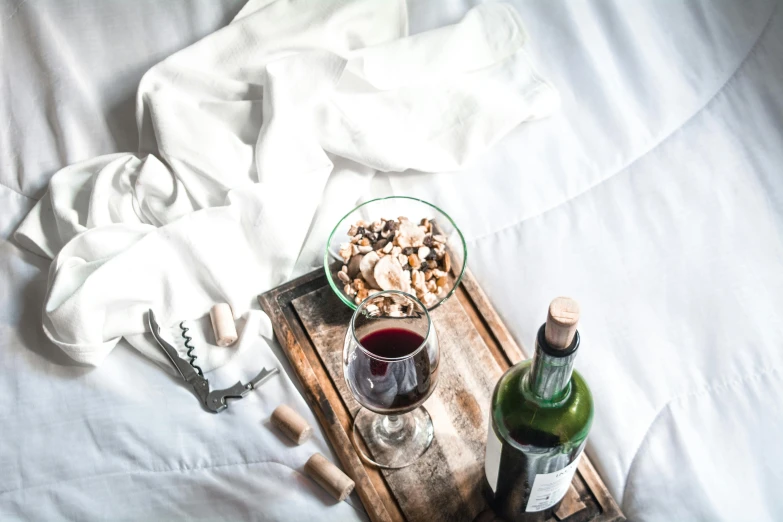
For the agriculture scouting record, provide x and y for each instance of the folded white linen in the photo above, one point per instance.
(238, 136)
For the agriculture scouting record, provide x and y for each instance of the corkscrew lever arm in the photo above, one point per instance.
(214, 401)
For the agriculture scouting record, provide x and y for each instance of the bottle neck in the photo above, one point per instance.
(550, 376)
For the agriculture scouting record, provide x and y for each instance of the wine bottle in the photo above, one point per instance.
(540, 416)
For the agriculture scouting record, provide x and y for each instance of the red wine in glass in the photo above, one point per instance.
(392, 343)
(393, 372)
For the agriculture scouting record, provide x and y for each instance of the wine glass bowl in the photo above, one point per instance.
(390, 363)
(391, 208)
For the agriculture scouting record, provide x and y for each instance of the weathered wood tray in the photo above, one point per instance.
(446, 483)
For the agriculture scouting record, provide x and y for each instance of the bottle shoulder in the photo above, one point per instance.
(524, 421)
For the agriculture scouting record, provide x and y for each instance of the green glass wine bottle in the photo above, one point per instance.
(540, 416)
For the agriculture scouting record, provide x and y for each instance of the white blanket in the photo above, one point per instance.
(658, 182)
(244, 134)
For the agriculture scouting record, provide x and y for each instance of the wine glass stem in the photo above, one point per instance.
(391, 425)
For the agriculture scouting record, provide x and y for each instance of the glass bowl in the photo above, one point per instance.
(390, 208)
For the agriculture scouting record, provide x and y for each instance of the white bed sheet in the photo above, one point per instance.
(655, 198)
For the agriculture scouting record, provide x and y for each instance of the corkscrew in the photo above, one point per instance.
(215, 400)
(190, 347)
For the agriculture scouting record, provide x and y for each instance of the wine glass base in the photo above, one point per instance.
(393, 441)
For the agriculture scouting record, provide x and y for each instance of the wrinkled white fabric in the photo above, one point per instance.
(238, 137)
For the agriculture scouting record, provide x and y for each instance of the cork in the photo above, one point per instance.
(561, 322)
(329, 477)
(223, 324)
(291, 424)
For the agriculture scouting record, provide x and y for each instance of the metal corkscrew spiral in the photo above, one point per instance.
(190, 347)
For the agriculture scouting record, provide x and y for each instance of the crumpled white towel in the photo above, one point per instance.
(253, 138)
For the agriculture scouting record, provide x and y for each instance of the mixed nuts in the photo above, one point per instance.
(395, 254)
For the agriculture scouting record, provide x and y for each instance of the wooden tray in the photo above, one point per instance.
(476, 348)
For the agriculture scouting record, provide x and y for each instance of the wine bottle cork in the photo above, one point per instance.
(291, 423)
(561, 322)
(329, 477)
(223, 324)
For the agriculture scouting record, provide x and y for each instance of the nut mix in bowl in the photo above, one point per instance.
(395, 243)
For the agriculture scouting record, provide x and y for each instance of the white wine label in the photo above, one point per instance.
(492, 458)
(549, 488)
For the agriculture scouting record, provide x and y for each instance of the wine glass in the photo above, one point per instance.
(390, 363)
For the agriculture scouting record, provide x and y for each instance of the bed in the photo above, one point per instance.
(654, 197)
